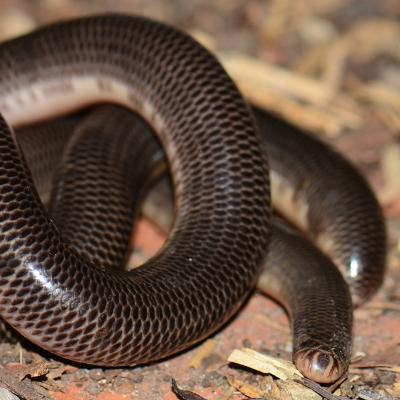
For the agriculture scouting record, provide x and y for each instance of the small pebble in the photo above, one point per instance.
(5, 348)
(206, 383)
(167, 378)
(137, 378)
(79, 375)
(126, 387)
(94, 389)
(9, 358)
(111, 374)
(246, 343)
(96, 374)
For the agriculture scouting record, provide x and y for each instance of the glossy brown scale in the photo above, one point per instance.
(340, 212)
(80, 310)
(220, 186)
(295, 272)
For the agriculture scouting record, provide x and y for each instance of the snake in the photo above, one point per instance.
(73, 305)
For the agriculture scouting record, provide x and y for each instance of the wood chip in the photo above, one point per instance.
(265, 76)
(390, 163)
(304, 116)
(384, 305)
(391, 369)
(333, 71)
(380, 94)
(367, 44)
(310, 62)
(277, 19)
(263, 363)
(284, 92)
(228, 393)
(295, 391)
(397, 386)
(390, 118)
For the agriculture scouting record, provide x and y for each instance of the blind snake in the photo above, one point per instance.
(56, 297)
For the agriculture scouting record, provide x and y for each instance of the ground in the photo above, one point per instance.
(329, 66)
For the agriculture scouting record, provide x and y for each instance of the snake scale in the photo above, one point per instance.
(66, 301)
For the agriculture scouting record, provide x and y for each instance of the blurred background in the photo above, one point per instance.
(331, 67)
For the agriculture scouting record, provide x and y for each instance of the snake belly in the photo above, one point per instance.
(80, 310)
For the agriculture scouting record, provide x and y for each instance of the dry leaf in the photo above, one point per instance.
(244, 69)
(61, 370)
(245, 388)
(35, 370)
(186, 394)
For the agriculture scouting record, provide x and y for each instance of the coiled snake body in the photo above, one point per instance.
(74, 307)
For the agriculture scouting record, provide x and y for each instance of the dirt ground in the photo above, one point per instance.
(328, 66)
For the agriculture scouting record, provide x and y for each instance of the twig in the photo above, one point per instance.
(319, 389)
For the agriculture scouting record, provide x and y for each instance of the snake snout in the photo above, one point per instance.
(319, 366)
